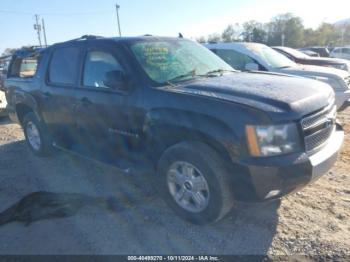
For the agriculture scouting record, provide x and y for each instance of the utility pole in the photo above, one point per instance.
(44, 31)
(283, 36)
(117, 9)
(37, 27)
(342, 36)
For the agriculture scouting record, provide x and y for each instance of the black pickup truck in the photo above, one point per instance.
(208, 135)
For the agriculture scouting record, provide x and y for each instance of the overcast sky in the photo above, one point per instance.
(67, 19)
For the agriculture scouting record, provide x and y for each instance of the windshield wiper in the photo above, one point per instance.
(219, 71)
(283, 67)
(191, 73)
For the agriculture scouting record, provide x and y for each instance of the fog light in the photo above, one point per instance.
(273, 193)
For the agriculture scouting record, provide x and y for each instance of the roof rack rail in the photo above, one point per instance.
(5, 57)
(84, 37)
(33, 47)
(29, 51)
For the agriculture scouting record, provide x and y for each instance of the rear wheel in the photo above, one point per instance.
(194, 182)
(37, 138)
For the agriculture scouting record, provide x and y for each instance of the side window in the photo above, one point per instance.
(64, 66)
(28, 67)
(234, 58)
(346, 51)
(24, 67)
(289, 56)
(97, 65)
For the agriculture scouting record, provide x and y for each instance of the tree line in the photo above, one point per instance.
(284, 29)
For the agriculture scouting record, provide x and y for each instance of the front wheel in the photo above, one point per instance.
(37, 139)
(195, 183)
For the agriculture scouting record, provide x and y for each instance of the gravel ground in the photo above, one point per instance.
(315, 221)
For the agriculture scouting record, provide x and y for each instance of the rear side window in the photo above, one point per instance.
(28, 67)
(24, 67)
(64, 66)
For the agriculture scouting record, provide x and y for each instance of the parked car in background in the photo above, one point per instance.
(4, 61)
(209, 135)
(341, 52)
(2, 76)
(322, 51)
(259, 57)
(3, 104)
(301, 58)
(310, 53)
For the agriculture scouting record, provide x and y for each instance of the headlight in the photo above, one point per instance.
(336, 85)
(272, 140)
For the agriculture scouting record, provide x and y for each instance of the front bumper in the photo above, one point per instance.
(269, 178)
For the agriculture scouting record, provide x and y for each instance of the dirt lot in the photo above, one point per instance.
(314, 221)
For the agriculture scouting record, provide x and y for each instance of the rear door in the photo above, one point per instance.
(59, 93)
(108, 120)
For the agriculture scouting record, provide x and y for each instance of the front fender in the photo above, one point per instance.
(166, 127)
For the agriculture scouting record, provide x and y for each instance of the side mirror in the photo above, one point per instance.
(252, 67)
(115, 79)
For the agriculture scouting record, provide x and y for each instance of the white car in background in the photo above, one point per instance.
(341, 52)
(3, 104)
(259, 57)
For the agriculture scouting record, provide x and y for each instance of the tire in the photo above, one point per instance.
(43, 145)
(205, 163)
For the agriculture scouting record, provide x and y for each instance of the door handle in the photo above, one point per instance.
(85, 101)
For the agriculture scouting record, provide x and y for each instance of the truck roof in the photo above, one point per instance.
(118, 39)
(32, 50)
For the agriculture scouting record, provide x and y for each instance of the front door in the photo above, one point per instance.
(107, 119)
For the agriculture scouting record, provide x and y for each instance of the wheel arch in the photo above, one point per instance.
(167, 128)
(23, 109)
(24, 105)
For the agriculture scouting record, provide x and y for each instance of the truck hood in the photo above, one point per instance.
(282, 97)
(310, 71)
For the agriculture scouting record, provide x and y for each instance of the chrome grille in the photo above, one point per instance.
(318, 128)
(347, 81)
(317, 139)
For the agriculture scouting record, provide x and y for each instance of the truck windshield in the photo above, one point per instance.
(295, 53)
(176, 60)
(271, 57)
